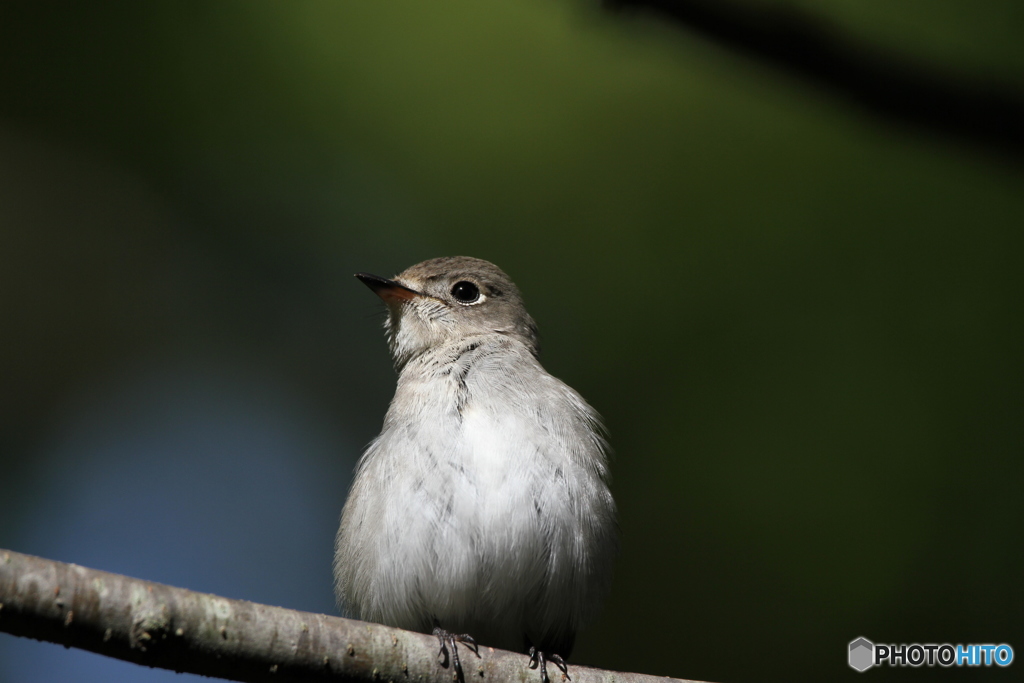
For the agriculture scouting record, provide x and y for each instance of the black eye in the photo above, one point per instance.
(465, 292)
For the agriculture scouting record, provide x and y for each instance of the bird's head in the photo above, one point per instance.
(447, 299)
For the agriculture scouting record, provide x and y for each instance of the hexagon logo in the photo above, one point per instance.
(862, 654)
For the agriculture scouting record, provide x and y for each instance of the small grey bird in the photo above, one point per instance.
(483, 508)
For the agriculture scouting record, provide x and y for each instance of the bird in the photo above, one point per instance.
(482, 512)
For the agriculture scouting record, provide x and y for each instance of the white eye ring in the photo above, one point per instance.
(467, 293)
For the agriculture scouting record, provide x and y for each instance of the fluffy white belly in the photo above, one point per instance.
(471, 539)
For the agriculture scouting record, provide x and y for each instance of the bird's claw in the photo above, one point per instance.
(539, 659)
(449, 640)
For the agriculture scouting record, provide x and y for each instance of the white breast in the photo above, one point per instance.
(488, 512)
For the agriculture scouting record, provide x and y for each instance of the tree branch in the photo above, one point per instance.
(985, 114)
(173, 628)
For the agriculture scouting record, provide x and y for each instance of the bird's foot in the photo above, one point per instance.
(539, 659)
(450, 640)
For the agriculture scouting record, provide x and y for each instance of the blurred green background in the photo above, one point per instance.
(802, 323)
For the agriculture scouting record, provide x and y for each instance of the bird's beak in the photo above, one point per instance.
(389, 290)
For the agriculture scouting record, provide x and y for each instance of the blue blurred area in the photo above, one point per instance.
(190, 473)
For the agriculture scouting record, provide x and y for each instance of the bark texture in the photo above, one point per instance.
(172, 628)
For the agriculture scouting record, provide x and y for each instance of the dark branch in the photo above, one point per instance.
(985, 114)
(173, 628)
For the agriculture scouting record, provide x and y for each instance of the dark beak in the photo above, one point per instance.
(389, 290)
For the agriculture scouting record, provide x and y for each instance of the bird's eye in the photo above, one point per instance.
(465, 292)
